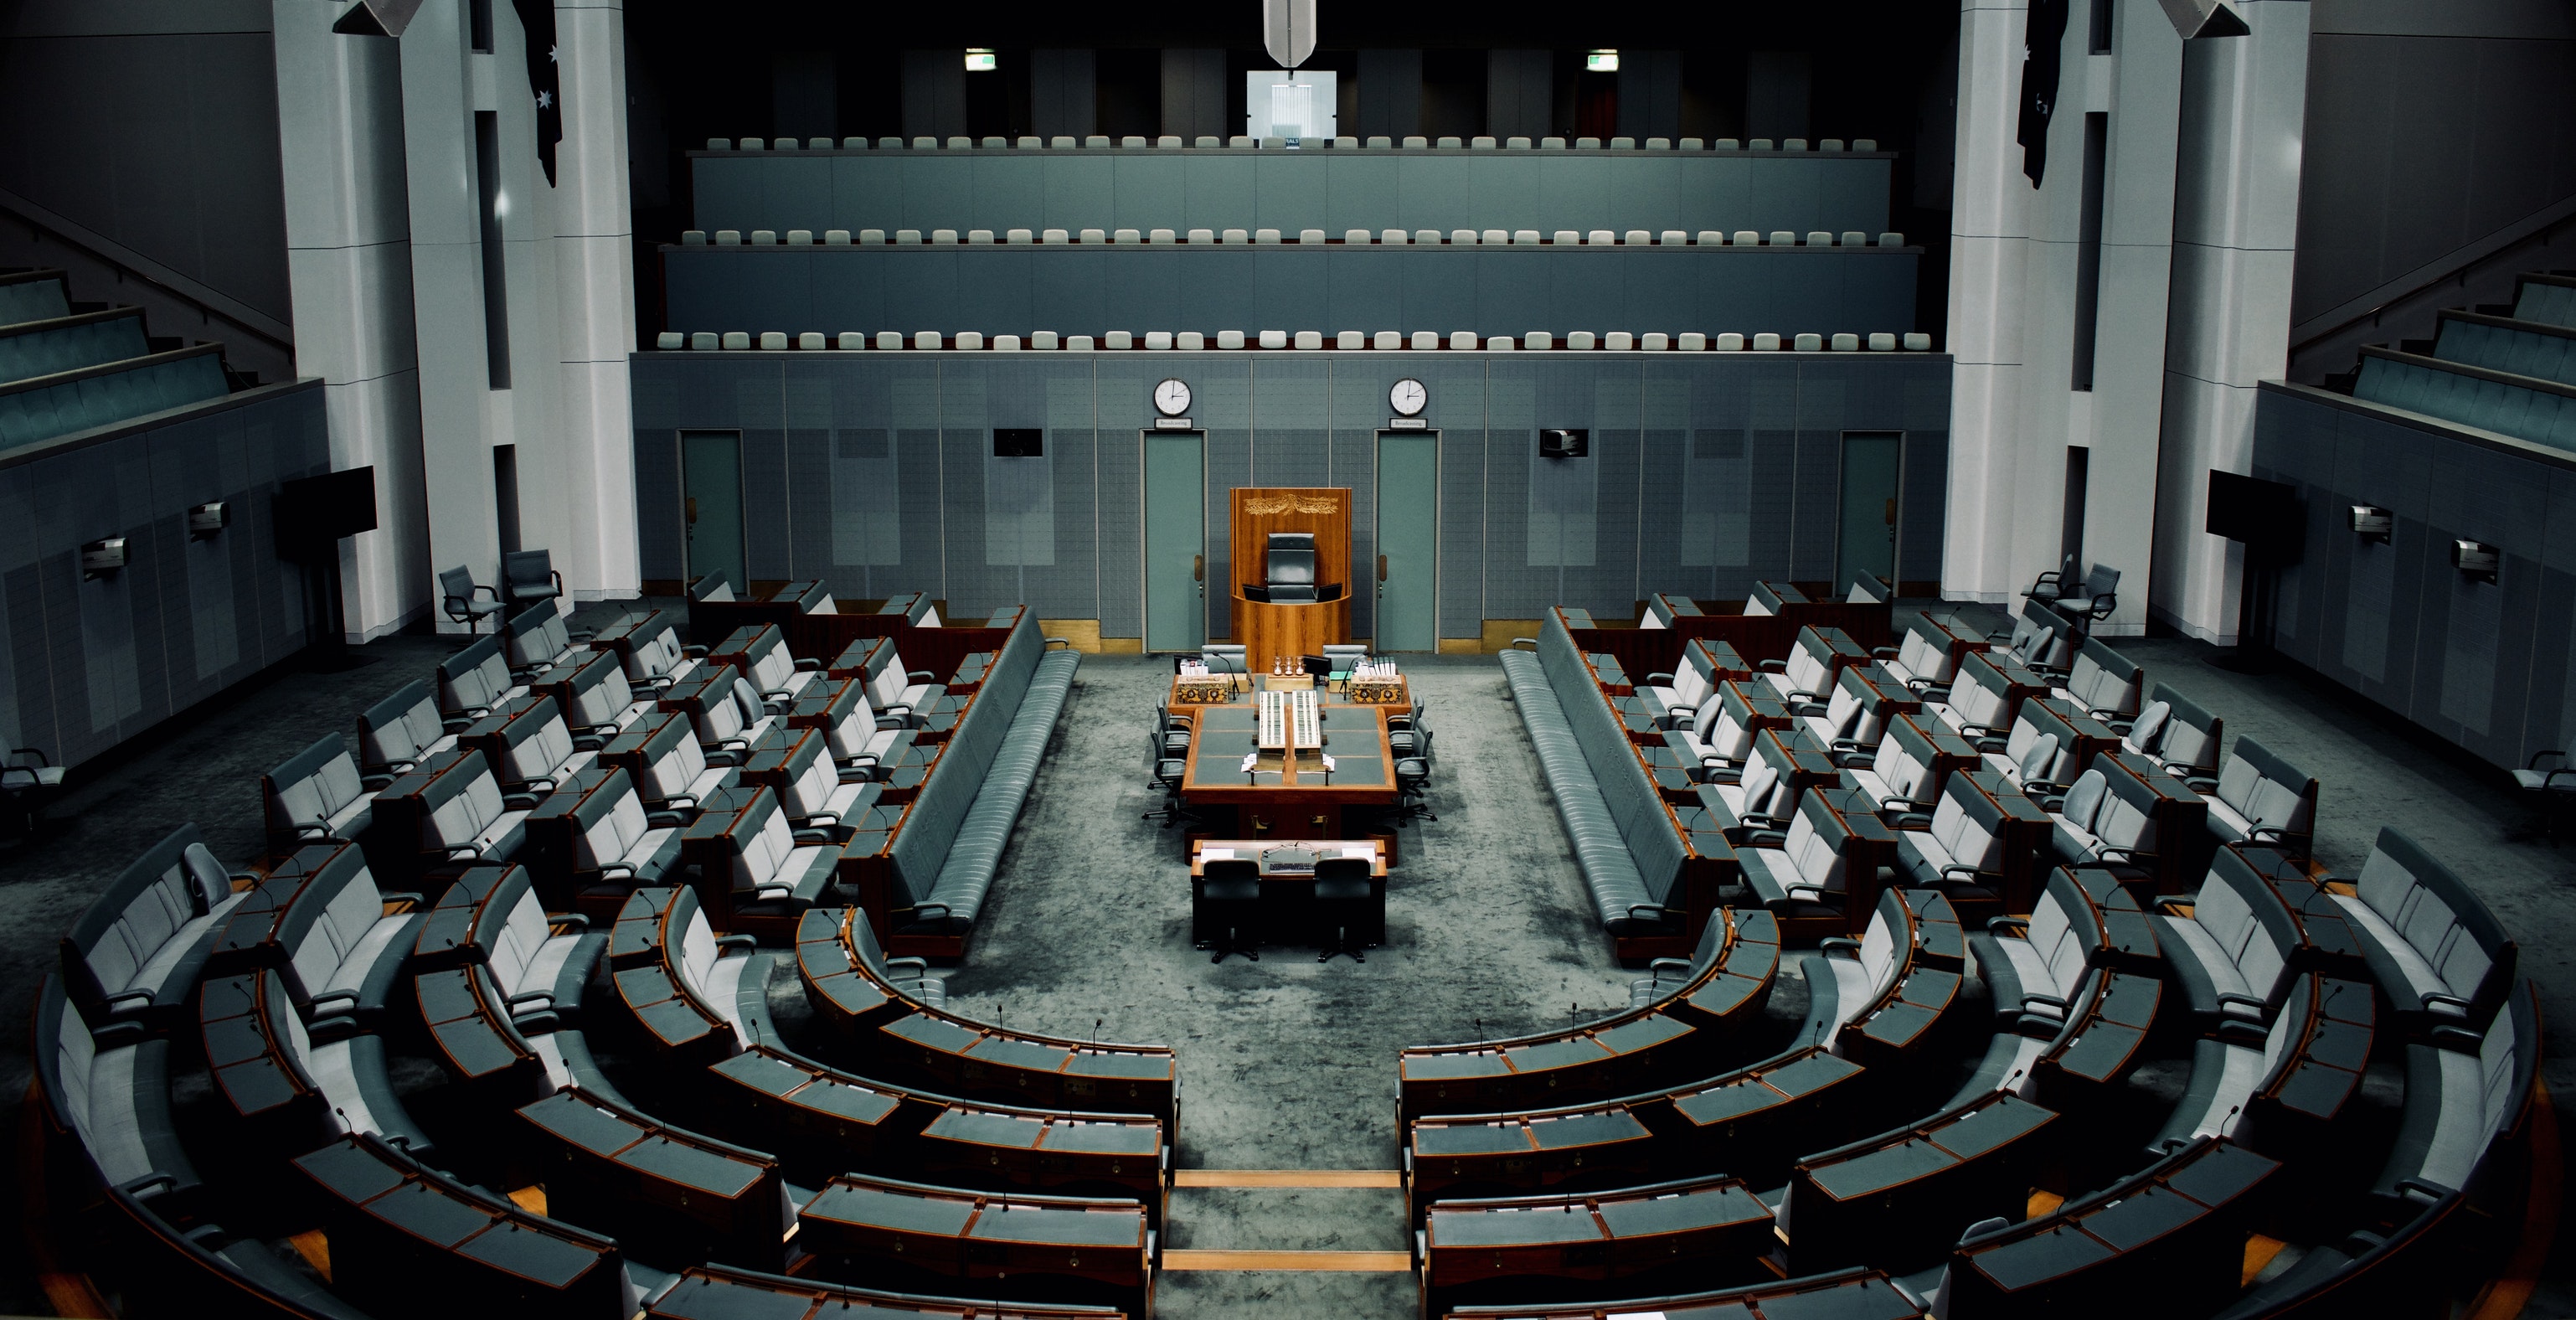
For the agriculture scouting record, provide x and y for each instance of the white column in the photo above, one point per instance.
(1988, 235)
(2235, 231)
(349, 268)
(442, 86)
(595, 272)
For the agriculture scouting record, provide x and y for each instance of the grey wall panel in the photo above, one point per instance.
(88, 663)
(1331, 189)
(2550, 715)
(1063, 92)
(166, 143)
(1218, 192)
(1650, 93)
(1695, 483)
(1390, 88)
(934, 93)
(1194, 98)
(1520, 93)
(1489, 291)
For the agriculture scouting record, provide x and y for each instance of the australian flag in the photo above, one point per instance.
(537, 18)
(2039, 66)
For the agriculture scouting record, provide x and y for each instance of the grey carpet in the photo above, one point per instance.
(1287, 1064)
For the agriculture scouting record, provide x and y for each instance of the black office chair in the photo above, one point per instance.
(529, 576)
(456, 591)
(1403, 726)
(1413, 780)
(29, 782)
(1349, 906)
(1167, 771)
(1289, 567)
(1172, 731)
(1225, 909)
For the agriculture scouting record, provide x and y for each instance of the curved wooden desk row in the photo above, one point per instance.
(1849, 1295)
(884, 1027)
(1671, 1039)
(831, 1122)
(716, 1293)
(884, 1230)
(1709, 1229)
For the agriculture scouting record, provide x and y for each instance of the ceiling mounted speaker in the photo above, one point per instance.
(2204, 18)
(377, 18)
(1288, 30)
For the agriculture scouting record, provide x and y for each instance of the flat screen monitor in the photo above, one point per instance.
(1019, 442)
(315, 511)
(2250, 509)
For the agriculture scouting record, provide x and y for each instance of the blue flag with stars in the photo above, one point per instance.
(537, 19)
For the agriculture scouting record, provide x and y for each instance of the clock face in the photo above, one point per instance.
(1408, 397)
(1172, 397)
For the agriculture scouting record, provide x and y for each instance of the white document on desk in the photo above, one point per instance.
(1216, 854)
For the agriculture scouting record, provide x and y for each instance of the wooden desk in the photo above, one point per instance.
(1251, 850)
(1299, 793)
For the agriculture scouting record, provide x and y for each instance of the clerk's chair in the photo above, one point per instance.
(1290, 568)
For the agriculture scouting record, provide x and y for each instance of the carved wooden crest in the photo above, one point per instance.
(1266, 505)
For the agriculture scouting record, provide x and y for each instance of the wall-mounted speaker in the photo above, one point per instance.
(1564, 444)
(102, 557)
(2372, 523)
(205, 520)
(2476, 560)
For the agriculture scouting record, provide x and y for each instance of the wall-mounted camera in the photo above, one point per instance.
(102, 557)
(2476, 559)
(205, 520)
(2372, 523)
(1564, 444)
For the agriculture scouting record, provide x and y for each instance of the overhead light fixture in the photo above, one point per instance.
(979, 60)
(2203, 18)
(1600, 61)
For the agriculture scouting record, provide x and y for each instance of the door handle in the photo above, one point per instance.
(1198, 568)
(1891, 511)
(693, 511)
(1381, 568)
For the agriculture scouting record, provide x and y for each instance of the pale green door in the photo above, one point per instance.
(1175, 540)
(711, 501)
(1868, 540)
(1408, 541)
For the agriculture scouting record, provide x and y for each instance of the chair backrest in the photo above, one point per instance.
(1238, 868)
(312, 786)
(2442, 918)
(711, 586)
(597, 693)
(535, 743)
(2267, 790)
(2064, 931)
(535, 636)
(2103, 679)
(1343, 868)
(2190, 735)
(672, 760)
(1904, 759)
(398, 730)
(474, 677)
(607, 822)
(511, 928)
(2102, 581)
(1814, 844)
(528, 568)
(328, 919)
(1969, 825)
(458, 803)
(2250, 923)
(762, 841)
(173, 883)
(849, 722)
(654, 649)
(456, 584)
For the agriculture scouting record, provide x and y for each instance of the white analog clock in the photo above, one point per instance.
(1407, 397)
(1172, 398)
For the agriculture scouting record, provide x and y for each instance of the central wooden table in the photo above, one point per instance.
(1290, 796)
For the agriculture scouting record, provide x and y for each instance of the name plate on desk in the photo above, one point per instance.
(1202, 691)
(1379, 692)
(1173, 424)
(1408, 423)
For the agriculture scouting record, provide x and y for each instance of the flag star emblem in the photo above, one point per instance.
(545, 100)
(553, 54)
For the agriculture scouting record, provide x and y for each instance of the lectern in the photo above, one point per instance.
(1292, 571)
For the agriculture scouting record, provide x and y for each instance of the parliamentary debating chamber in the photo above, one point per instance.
(1286, 660)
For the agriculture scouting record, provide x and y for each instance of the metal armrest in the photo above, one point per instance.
(921, 674)
(2226, 998)
(568, 921)
(2051, 1000)
(349, 997)
(1772, 666)
(809, 665)
(149, 1185)
(1647, 912)
(930, 911)
(736, 942)
(2438, 997)
(917, 964)
(1958, 868)
(546, 997)
(1998, 925)
(1658, 965)
(1531, 640)
(403, 897)
(377, 783)
(2430, 1193)
(1839, 944)
(138, 998)
(1653, 677)
(1877, 651)
(812, 835)
(1065, 642)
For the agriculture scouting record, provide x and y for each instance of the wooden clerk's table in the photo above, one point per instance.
(1203, 851)
(1293, 796)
